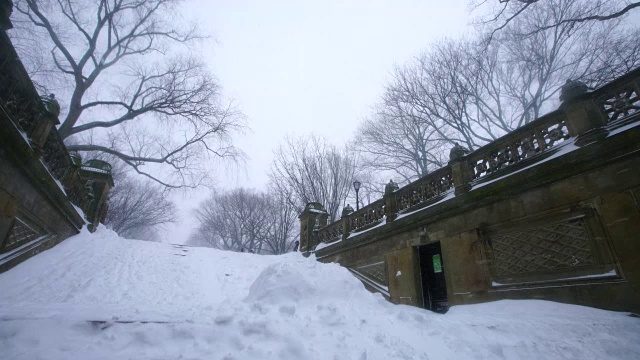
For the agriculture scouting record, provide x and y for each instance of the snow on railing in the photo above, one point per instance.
(424, 189)
(523, 143)
(369, 215)
(615, 101)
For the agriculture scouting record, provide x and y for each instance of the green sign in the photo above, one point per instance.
(437, 264)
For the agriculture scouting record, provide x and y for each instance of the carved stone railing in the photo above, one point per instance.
(331, 232)
(583, 117)
(523, 143)
(369, 215)
(424, 189)
(621, 97)
(56, 156)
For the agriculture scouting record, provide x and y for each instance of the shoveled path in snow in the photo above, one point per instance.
(102, 297)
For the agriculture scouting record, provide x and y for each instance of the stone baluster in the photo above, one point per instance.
(346, 221)
(461, 170)
(584, 118)
(390, 201)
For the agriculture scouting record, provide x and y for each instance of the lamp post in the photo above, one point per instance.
(356, 186)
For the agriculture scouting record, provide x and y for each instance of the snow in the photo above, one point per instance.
(97, 296)
(560, 150)
(96, 170)
(383, 222)
(609, 273)
(450, 195)
(323, 245)
(79, 211)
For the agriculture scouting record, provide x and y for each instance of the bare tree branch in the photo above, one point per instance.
(104, 49)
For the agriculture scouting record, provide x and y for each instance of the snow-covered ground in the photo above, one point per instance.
(102, 297)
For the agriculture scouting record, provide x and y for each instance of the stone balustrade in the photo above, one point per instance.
(581, 118)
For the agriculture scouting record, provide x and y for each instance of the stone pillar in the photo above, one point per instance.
(96, 174)
(390, 201)
(45, 121)
(41, 128)
(346, 223)
(584, 118)
(461, 170)
(314, 216)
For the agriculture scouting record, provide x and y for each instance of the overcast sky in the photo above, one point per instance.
(300, 67)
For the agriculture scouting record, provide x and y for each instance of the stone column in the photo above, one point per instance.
(41, 128)
(96, 174)
(346, 221)
(45, 121)
(461, 170)
(584, 118)
(390, 201)
(314, 216)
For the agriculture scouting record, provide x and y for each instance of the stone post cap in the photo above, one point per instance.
(314, 208)
(391, 187)
(457, 152)
(52, 105)
(347, 210)
(572, 89)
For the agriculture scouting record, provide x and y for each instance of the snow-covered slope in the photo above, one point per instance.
(102, 297)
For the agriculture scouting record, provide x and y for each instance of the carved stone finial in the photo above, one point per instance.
(347, 210)
(457, 152)
(51, 104)
(391, 187)
(572, 89)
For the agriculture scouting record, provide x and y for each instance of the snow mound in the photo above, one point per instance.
(98, 296)
(303, 281)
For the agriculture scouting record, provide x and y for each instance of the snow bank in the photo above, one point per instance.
(102, 297)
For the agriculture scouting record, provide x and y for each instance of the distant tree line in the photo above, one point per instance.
(245, 220)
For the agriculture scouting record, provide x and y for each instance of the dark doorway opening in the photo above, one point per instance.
(434, 286)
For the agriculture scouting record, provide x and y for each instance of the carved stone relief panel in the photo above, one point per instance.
(554, 246)
(561, 247)
(23, 231)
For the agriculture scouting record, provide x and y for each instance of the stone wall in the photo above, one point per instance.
(46, 194)
(550, 211)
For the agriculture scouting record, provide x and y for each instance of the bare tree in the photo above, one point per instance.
(237, 220)
(395, 141)
(283, 225)
(478, 92)
(311, 169)
(133, 91)
(137, 209)
(502, 12)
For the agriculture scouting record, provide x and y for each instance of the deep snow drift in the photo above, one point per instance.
(102, 297)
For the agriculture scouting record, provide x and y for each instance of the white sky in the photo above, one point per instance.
(299, 67)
